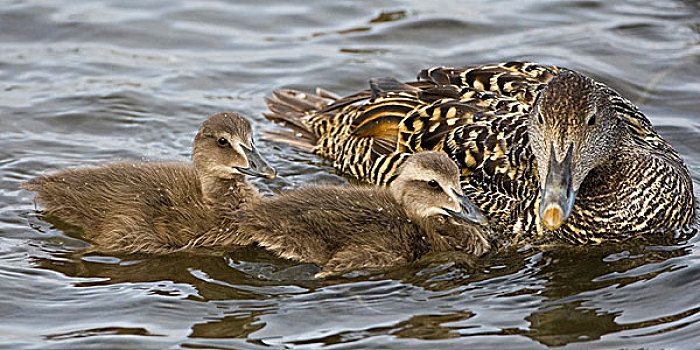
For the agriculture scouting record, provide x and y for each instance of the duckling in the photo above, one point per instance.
(343, 228)
(159, 207)
(547, 153)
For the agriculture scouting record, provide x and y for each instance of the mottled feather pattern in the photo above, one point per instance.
(479, 116)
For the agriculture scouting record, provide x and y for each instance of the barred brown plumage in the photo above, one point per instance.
(529, 139)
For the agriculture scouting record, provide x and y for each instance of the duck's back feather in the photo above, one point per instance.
(147, 207)
(312, 224)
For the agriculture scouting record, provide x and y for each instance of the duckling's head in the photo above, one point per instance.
(573, 129)
(224, 148)
(427, 185)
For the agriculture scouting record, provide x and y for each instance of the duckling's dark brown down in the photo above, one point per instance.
(348, 228)
(160, 206)
(342, 229)
(151, 207)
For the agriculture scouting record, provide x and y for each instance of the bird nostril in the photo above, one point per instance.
(253, 165)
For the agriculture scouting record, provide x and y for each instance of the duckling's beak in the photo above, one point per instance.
(557, 195)
(257, 166)
(469, 213)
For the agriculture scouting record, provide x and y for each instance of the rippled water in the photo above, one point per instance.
(84, 83)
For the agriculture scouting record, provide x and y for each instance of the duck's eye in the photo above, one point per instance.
(591, 120)
(433, 184)
(222, 142)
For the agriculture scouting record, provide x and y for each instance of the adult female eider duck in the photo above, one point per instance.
(545, 152)
(343, 228)
(159, 207)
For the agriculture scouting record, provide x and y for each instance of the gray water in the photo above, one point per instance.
(84, 83)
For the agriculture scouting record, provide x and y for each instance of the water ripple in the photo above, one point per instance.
(84, 83)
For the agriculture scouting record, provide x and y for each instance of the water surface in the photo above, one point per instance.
(83, 83)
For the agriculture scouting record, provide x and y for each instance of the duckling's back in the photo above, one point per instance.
(127, 206)
(339, 228)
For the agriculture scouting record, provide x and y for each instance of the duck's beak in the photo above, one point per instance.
(557, 194)
(257, 166)
(469, 213)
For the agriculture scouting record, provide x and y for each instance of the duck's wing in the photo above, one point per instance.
(355, 129)
(366, 123)
(519, 80)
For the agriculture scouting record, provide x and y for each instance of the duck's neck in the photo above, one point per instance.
(227, 194)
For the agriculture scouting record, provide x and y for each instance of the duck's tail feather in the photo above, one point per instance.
(33, 184)
(291, 108)
(290, 138)
(55, 195)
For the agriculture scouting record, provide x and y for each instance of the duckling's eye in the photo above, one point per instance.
(433, 184)
(222, 142)
(591, 120)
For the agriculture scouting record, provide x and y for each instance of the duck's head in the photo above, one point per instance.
(224, 148)
(573, 129)
(427, 185)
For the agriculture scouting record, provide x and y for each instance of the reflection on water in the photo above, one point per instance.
(87, 83)
(546, 296)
